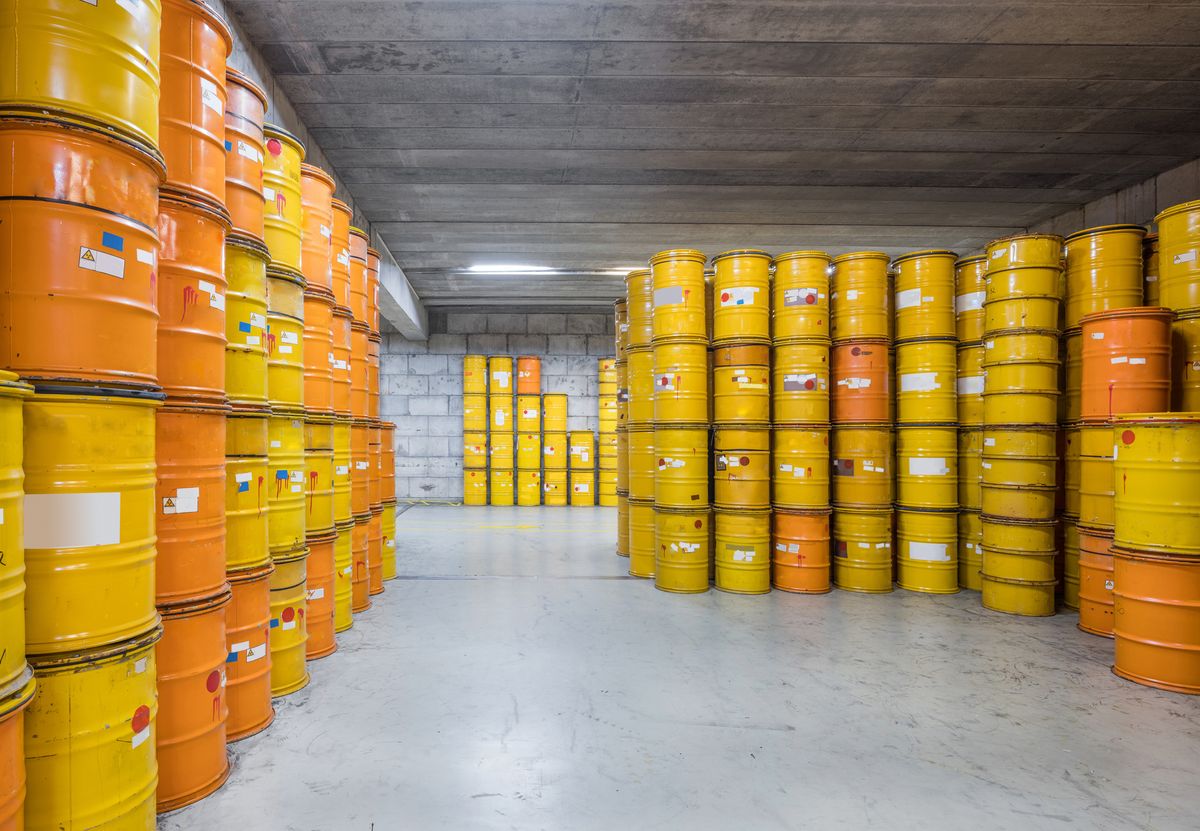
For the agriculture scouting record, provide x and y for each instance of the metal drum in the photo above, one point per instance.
(1022, 250)
(360, 246)
(741, 381)
(556, 454)
(374, 341)
(800, 384)
(741, 468)
(1157, 613)
(1104, 270)
(1126, 362)
(245, 110)
(1158, 468)
(925, 295)
(927, 468)
(286, 485)
(970, 384)
(861, 298)
(800, 310)
(501, 488)
(679, 295)
(529, 414)
(360, 373)
(927, 551)
(1070, 546)
(343, 575)
(318, 352)
(641, 389)
(248, 664)
(970, 275)
(375, 552)
(12, 537)
(528, 486)
(529, 452)
(622, 525)
(554, 488)
(1018, 567)
(1072, 403)
(284, 212)
(862, 550)
(360, 578)
(621, 321)
(343, 340)
(970, 469)
(1150, 270)
(1096, 476)
(743, 551)
(800, 551)
(289, 623)
(475, 486)
(642, 538)
(1072, 473)
(583, 447)
(388, 568)
(680, 383)
(372, 275)
(741, 297)
(475, 413)
(14, 698)
(1027, 297)
(926, 382)
(319, 451)
(1179, 257)
(643, 463)
(342, 217)
(342, 475)
(583, 488)
(285, 330)
(316, 260)
(682, 477)
(970, 551)
(500, 375)
(246, 490)
(246, 321)
(1095, 588)
(681, 541)
(554, 412)
(800, 462)
(862, 467)
(360, 468)
(475, 381)
(639, 287)
(1185, 364)
(861, 382)
(529, 375)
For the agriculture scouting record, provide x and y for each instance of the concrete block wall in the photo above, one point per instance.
(421, 384)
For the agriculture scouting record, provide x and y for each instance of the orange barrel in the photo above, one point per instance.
(800, 467)
(360, 382)
(80, 250)
(800, 294)
(192, 708)
(554, 488)
(680, 383)
(319, 596)
(742, 551)
(682, 550)
(475, 486)
(89, 520)
(195, 42)
(1095, 582)
(620, 327)
(1179, 257)
(970, 469)
(860, 297)
(643, 463)
(475, 380)
(1104, 270)
(641, 388)
(529, 416)
(639, 287)
(289, 623)
(1021, 378)
(246, 490)
(319, 474)
(342, 476)
(389, 539)
(14, 698)
(375, 469)
(800, 384)
(927, 551)
(343, 577)
(285, 331)
(862, 467)
(1071, 473)
(800, 551)
(643, 544)
(284, 212)
(373, 342)
(528, 487)
(529, 375)
(741, 381)
(862, 550)
(372, 274)
(1185, 364)
(1071, 404)
(340, 245)
(501, 450)
(1126, 362)
(248, 662)
(387, 460)
(742, 468)
(1097, 476)
(926, 382)
(318, 352)
(246, 321)
(742, 297)
(679, 296)
(286, 485)
(12, 537)
(681, 480)
(1157, 471)
(360, 468)
(1024, 250)
(359, 252)
(89, 738)
(501, 488)
(316, 195)
(970, 275)
(1157, 620)
(970, 551)
(342, 347)
(554, 412)
(927, 468)
(190, 492)
(245, 110)
(970, 384)
(860, 381)
(925, 295)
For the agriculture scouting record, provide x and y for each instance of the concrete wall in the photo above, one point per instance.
(421, 384)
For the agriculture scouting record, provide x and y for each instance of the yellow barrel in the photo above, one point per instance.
(529, 452)
(501, 449)
(1072, 403)
(284, 214)
(1070, 546)
(583, 455)
(500, 413)
(608, 413)
(970, 274)
(286, 481)
(475, 487)
(343, 577)
(643, 463)
(1023, 298)
(622, 524)
(679, 307)
(1019, 472)
(680, 383)
(529, 414)
(500, 376)
(607, 450)
(622, 460)
(742, 468)
(800, 467)
(1019, 578)
(1020, 346)
(800, 384)
(1158, 474)
(742, 297)
(502, 491)
(1023, 503)
(927, 551)
(318, 464)
(1179, 257)
(1150, 270)
(925, 295)
(583, 488)
(681, 544)
(342, 477)
(475, 413)
(681, 480)
(970, 469)
(800, 295)
(87, 63)
(246, 320)
(554, 413)
(742, 551)
(12, 541)
(90, 758)
(641, 388)
(246, 490)
(927, 468)
(970, 551)
(475, 381)
(1097, 476)
(1024, 250)
(741, 385)
(89, 518)
(528, 487)
(289, 623)
(1104, 270)
(606, 488)
(1069, 443)
(862, 467)
(621, 327)
(639, 289)
(642, 539)
(1185, 360)
(860, 297)
(475, 450)
(970, 384)
(1021, 379)
(862, 550)
(285, 333)
(556, 454)
(554, 488)
(926, 374)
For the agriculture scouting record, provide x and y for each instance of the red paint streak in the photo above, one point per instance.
(190, 296)
(270, 343)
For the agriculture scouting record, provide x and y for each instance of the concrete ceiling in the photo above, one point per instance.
(584, 136)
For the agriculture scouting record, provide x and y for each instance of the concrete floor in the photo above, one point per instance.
(515, 678)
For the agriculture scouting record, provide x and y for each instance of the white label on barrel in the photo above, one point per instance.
(855, 383)
(289, 337)
(801, 297)
(296, 476)
(1119, 359)
(139, 666)
(360, 465)
(326, 232)
(664, 382)
(908, 298)
(343, 257)
(690, 547)
(315, 594)
(785, 467)
(799, 472)
(919, 382)
(581, 487)
(72, 520)
(185, 501)
(1097, 336)
(258, 320)
(287, 624)
(269, 194)
(793, 548)
(259, 651)
(139, 738)
(527, 413)
(501, 417)
(864, 545)
(969, 302)
(741, 555)
(1, 516)
(145, 257)
(92, 259)
(800, 383)
(934, 466)
(741, 379)
(249, 151)
(131, 6)
(1136, 361)
(738, 296)
(240, 646)
(211, 97)
(998, 253)
(253, 340)
(285, 349)
(668, 296)
(970, 385)
(929, 551)
(549, 450)
(986, 465)
(390, 544)
(991, 344)
(989, 441)
(1185, 257)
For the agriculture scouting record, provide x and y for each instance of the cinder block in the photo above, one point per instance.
(547, 324)
(428, 447)
(428, 487)
(397, 344)
(392, 364)
(554, 365)
(447, 344)
(487, 344)
(446, 466)
(411, 425)
(567, 344)
(610, 324)
(527, 344)
(412, 466)
(449, 383)
(402, 487)
(403, 445)
(506, 324)
(601, 346)
(458, 323)
(593, 385)
(431, 365)
(445, 426)
(429, 405)
(572, 385)
(393, 405)
(407, 384)
(456, 405)
(581, 324)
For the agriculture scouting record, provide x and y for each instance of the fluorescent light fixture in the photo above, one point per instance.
(508, 269)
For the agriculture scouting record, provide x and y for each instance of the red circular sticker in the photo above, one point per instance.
(724, 296)
(856, 351)
(810, 384)
(141, 719)
(289, 614)
(745, 460)
(1127, 436)
(810, 299)
(213, 682)
(274, 147)
(699, 523)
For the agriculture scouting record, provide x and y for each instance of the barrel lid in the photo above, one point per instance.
(249, 575)
(637, 273)
(359, 232)
(678, 254)
(274, 131)
(12, 386)
(1183, 207)
(109, 653)
(191, 608)
(929, 252)
(249, 243)
(18, 693)
(319, 293)
(295, 555)
(1104, 229)
(1152, 312)
(214, 19)
(861, 255)
(799, 255)
(169, 197)
(311, 170)
(88, 390)
(741, 252)
(372, 252)
(234, 76)
(287, 275)
(971, 260)
(1158, 419)
(147, 154)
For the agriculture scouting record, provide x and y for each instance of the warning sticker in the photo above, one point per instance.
(803, 383)
(92, 259)
(185, 501)
(249, 151)
(211, 96)
(801, 297)
(738, 296)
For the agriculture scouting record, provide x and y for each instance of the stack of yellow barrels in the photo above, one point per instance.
(679, 341)
(970, 291)
(501, 450)
(800, 414)
(344, 401)
(606, 437)
(639, 425)
(621, 328)
(555, 450)
(583, 468)
(862, 443)
(528, 477)
(475, 425)
(1176, 277)
(741, 417)
(926, 422)
(1020, 411)
(387, 431)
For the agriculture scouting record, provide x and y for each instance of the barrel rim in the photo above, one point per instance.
(214, 18)
(16, 695)
(58, 391)
(637, 271)
(969, 260)
(928, 252)
(620, 301)
(1013, 237)
(343, 311)
(236, 76)
(1182, 207)
(1103, 229)
(192, 607)
(11, 385)
(293, 555)
(277, 132)
(686, 254)
(319, 293)
(315, 172)
(373, 252)
(249, 575)
(40, 119)
(1151, 312)
(257, 246)
(808, 253)
(355, 231)
(373, 336)
(322, 537)
(274, 271)
(861, 255)
(755, 253)
(1156, 419)
(108, 653)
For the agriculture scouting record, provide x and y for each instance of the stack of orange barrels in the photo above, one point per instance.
(862, 443)
(360, 429)
(621, 341)
(639, 425)
(800, 337)
(969, 294)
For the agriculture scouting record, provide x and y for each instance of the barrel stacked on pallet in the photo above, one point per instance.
(475, 430)
(862, 441)
(969, 294)
(606, 437)
(501, 441)
(529, 431)
(643, 464)
(621, 328)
